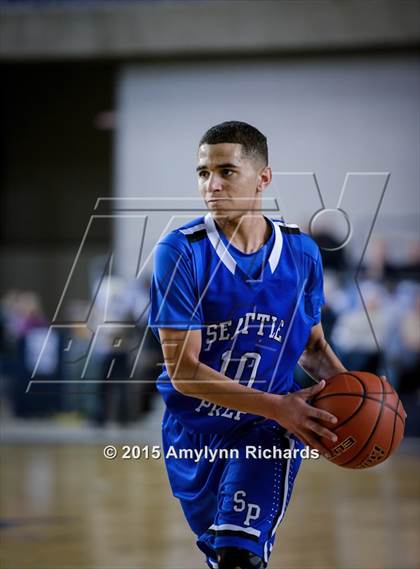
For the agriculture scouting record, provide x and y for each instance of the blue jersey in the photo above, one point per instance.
(253, 329)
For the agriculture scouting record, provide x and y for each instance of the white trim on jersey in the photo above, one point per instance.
(194, 229)
(218, 244)
(234, 527)
(268, 547)
(214, 564)
(277, 247)
(286, 486)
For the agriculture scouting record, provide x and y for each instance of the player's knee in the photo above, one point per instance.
(237, 558)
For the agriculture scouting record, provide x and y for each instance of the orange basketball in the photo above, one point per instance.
(370, 415)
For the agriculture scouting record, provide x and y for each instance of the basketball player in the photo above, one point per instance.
(236, 303)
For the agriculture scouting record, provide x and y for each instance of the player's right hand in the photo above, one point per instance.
(302, 419)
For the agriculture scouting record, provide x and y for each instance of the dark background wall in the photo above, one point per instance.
(56, 160)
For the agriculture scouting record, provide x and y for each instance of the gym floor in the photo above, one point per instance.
(65, 506)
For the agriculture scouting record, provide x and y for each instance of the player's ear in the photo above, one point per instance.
(264, 178)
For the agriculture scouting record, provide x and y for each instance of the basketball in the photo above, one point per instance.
(371, 418)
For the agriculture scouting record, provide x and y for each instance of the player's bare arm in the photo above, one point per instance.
(318, 359)
(189, 376)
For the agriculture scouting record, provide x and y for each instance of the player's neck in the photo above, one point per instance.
(247, 233)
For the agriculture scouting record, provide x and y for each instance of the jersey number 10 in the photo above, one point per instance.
(251, 359)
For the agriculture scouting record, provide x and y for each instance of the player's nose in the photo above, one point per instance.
(214, 183)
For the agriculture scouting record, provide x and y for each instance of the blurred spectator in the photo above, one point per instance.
(408, 270)
(124, 353)
(409, 329)
(352, 332)
(334, 256)
(25, 329)
(379, 264)
(111, 359)
(375, 261)
(151, 354)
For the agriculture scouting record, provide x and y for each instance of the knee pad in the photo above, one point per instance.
(237, 558)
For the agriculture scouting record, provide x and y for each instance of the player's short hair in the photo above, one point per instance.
(254, 143)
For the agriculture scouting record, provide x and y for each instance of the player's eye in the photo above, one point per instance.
(203, 174)
(227, 172)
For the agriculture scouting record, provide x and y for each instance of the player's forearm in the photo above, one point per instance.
(196, 379)
(320, 362)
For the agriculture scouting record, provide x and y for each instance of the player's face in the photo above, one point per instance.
(230, 183)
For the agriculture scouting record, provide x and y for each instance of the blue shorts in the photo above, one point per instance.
(234, 488)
